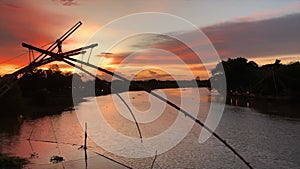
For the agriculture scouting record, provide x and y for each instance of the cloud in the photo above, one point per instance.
(144, 49)
(67, 2)
(148, 74)
(289, 8)
(251, 39)
(276, 36)
(23, 23)
(9, 6)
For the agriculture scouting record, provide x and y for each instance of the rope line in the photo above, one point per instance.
(21, 54)
(13, 58)
(59, 152)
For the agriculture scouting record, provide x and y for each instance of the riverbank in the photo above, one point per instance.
(285, 106)
(46, 103)
(14, 104)
(38, 102)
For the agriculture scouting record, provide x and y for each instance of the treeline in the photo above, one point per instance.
(152, 84)
(51, 89)
(40, 84)
(245, 77)
(39, 91)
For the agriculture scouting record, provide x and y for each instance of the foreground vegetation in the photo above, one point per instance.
(7, 162)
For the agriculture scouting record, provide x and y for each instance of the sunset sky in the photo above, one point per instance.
(260, 30)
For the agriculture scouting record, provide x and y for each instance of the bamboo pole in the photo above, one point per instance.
(85, 147)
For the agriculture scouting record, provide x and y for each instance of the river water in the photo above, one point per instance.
(264, 140)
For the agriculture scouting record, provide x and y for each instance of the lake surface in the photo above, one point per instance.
(266, 141)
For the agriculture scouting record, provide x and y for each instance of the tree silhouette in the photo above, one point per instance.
(272, 79)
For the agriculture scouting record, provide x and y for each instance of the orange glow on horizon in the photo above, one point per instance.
(197, 69)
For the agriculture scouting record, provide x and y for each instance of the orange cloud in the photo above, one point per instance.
(271, 37)
(21, 23)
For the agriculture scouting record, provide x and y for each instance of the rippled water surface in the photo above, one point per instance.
(266, 141)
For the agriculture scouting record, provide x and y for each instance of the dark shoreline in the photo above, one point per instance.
(285, 106)
(12, 162)
(39, 103)
(54, 103)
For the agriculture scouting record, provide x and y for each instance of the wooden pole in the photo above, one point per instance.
(85, 136)
(84, 147)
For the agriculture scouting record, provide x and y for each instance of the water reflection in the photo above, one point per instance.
(36, 140)
(266, 142)
(10, 125)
